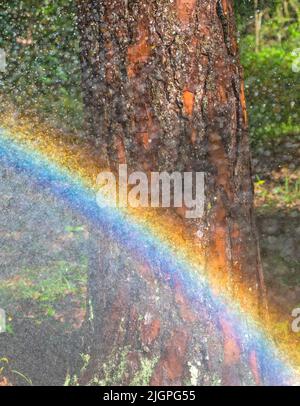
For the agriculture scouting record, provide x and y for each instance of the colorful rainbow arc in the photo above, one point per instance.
(140, 240)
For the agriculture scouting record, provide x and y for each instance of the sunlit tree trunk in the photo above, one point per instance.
(163, 90)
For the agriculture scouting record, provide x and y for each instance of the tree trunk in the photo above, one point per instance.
(163, 91)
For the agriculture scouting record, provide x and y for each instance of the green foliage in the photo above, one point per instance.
(45, 287)
(272, 84)
(273, 89)
(245, 9)
(43, 72)
(281, 194)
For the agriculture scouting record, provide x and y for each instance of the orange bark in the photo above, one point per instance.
(185, 10)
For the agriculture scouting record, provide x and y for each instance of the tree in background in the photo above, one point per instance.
(272, 86)
(163, 90)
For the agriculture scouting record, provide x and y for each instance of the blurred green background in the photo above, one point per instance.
(43, 73)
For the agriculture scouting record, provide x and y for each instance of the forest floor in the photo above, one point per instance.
(277, 184)
(43, 265)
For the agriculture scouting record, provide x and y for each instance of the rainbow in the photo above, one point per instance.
(50, 165)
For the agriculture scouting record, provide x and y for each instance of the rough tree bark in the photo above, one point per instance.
(163, 90)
